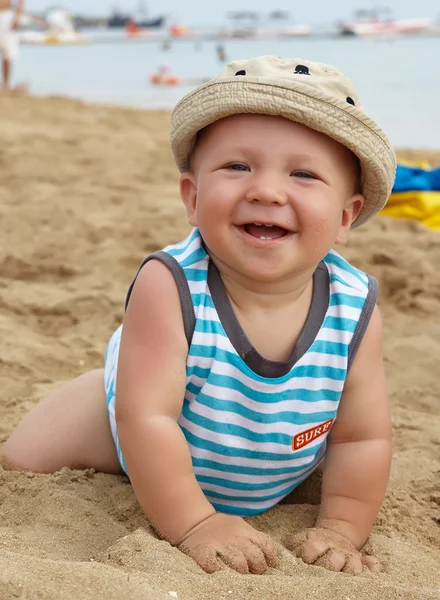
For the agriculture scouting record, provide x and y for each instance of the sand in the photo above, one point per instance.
(85, 193)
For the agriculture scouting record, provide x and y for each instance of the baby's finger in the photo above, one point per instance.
(312, 550)
(353, 565)
(268, 548)
(234, 558)
(205, 556)
(295, 542)
(255, 558)
(331, 560)
(371, 563)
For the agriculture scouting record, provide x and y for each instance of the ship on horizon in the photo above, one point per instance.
(370, 23)
(120, 19)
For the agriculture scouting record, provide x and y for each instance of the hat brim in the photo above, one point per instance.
(298, 102)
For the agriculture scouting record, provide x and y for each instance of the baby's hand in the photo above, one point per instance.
(326, 548)
(231, 539)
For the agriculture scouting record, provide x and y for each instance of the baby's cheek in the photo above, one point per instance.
(319, 225)
(321, 234)
(321, 215)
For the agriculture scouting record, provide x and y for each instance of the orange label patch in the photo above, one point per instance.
(305, 437)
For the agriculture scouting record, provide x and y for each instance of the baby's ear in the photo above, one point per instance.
(188, 193)
(350, 213)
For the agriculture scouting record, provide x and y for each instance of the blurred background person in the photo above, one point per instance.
(9, 48)
(221, 53)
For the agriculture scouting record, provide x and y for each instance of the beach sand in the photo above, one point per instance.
(85, 193)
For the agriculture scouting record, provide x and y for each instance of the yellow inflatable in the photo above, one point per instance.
(422, 206)
(416, 194)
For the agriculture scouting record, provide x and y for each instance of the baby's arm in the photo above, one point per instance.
(357, 463)
(358, 459)
(150, 389)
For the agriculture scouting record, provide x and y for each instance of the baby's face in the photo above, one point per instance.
(270, 196)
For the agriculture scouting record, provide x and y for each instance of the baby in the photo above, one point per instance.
(250, 351)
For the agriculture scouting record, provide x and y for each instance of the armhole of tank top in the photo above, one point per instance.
(364, 319)
(189, 317)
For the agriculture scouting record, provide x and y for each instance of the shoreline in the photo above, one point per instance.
(405, 152)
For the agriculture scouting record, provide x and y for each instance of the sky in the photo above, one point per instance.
(196, 11)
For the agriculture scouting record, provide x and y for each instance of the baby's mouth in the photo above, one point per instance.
(265, 232)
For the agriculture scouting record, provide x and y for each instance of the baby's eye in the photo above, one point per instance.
(237, 167)
(303, 175)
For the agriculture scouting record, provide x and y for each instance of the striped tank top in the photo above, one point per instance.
(257, 428)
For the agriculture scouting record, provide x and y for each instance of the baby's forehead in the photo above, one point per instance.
(251, 122)
(242, 129)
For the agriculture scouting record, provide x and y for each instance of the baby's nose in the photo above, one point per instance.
(267, 191)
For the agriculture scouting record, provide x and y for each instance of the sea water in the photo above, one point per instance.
(397, 79)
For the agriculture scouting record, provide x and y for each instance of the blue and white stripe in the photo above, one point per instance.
(238, 424)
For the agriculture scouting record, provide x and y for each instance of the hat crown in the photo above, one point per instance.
(321, 78)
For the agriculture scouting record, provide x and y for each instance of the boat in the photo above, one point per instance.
(371, 24)
(251, 26)
(279, 15)
(133, 30)
(164, 77)
(121, 20)
(180, 31)
(52, 39)
(294, 31)
(265, 32)
(59, 30)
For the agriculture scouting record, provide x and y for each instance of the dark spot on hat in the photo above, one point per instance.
(350, 101)
(302, 70)
(243, 72)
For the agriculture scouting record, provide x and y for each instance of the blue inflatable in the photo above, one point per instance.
(416, 195)
(416, 178)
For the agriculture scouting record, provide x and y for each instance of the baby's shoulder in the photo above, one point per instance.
(342, 272)
(190, 252)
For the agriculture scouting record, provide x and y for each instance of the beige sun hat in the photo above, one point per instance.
(313, 94)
